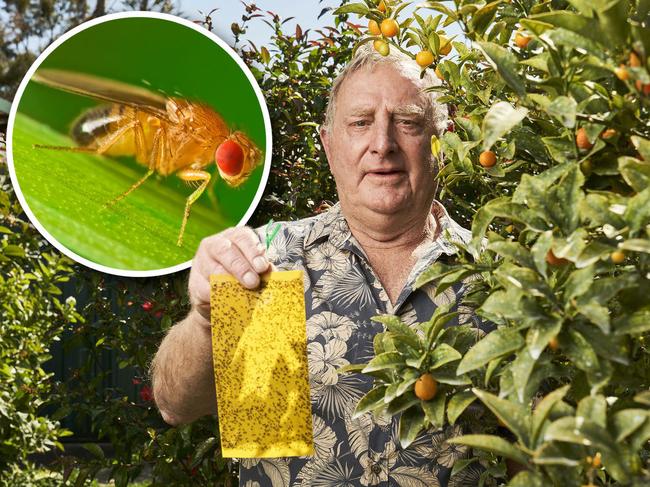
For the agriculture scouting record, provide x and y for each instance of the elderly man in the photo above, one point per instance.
(360, 259)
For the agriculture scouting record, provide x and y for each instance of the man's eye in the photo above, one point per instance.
(360, 123)
(408, 122)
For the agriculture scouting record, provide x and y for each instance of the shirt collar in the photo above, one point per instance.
(332, 225)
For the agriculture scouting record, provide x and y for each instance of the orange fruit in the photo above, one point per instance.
(618, 257)
(622, 73)
(596, 462)
(487, 158)
(554, 344)
(586, 166)
(426, 387)
(553, 260)
(608, 134)
(445, 45)
(645, 89)
(439, 74)
(373, 28)
(382, 7)
(582, 140)
(522, 40)
(389, 27)
(381, 47)
(424, 58)
(635, 62)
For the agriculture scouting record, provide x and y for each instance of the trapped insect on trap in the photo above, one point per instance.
(259, 347)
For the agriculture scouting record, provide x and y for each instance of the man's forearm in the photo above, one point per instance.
(182, 373)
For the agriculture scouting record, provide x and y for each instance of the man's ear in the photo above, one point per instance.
(324, 138)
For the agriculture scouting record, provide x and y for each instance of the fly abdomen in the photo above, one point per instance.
(95, 123)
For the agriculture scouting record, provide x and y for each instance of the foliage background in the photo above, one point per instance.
(117, 323)
(576, 408)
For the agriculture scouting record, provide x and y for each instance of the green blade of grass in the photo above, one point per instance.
(68, 193)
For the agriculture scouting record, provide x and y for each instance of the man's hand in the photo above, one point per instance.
(236, 251)
(182, 375)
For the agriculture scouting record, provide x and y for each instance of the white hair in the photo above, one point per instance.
(367, 57)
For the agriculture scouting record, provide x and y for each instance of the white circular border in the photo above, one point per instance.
(57, 43)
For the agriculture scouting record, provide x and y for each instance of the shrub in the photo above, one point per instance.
(32, 317)
(561, 237)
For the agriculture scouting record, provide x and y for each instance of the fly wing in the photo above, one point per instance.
(103, 89)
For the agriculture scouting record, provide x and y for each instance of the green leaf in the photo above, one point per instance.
(597, 314)
(522, 278)
(584, 26)
(351, 368)
(583, 431)
(506, 64)
(443, 354)
(540, 333)
(402, 402)
(410, 424)
(521, 368)
(593, 408)
(399, 330)
(528, 479)
(500, 118)
(496, 344)
(613, 19)
(514, 251)
(95, 449)
(409, 378)
(483, 17)
(637, 214)
(494, 444)
(204, 447)
(353, 8)
(458, 403)
(635, 172)
(564, 109)
(514, 416)
(371, 401)
(543, 409)
(642, 146)
(434, 410)
(387, 360)
(627, 421)
(636, 245)
(633, 324)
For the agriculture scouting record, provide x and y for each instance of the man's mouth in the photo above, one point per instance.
(385, 172)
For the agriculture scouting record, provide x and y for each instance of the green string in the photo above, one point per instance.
(271, 232)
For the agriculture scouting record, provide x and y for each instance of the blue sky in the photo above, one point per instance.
(305, 13)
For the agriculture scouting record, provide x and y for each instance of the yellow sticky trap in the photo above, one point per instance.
(259, 349)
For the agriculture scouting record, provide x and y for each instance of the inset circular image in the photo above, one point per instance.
(133, 137)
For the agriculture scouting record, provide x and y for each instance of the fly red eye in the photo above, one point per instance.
(230, 158)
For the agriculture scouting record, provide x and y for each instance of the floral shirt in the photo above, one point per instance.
(342, 294)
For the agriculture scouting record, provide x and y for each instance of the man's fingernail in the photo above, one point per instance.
(260, 263)
(250, 279)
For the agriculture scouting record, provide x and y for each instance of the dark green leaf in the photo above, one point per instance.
(410, 424)
(494, 444)
(505, 62)
(496, 344)
(458, 403)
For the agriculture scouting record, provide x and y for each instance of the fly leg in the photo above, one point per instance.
(138, 136)
(191, 175)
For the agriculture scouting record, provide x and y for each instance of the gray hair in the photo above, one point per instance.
(367, 57)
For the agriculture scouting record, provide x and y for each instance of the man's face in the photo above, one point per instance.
(378, 145)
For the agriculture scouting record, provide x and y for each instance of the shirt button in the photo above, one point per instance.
(376, 469)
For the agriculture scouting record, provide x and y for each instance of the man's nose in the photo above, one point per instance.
(383, 138)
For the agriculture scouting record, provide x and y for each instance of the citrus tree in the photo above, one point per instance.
(548, 160)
